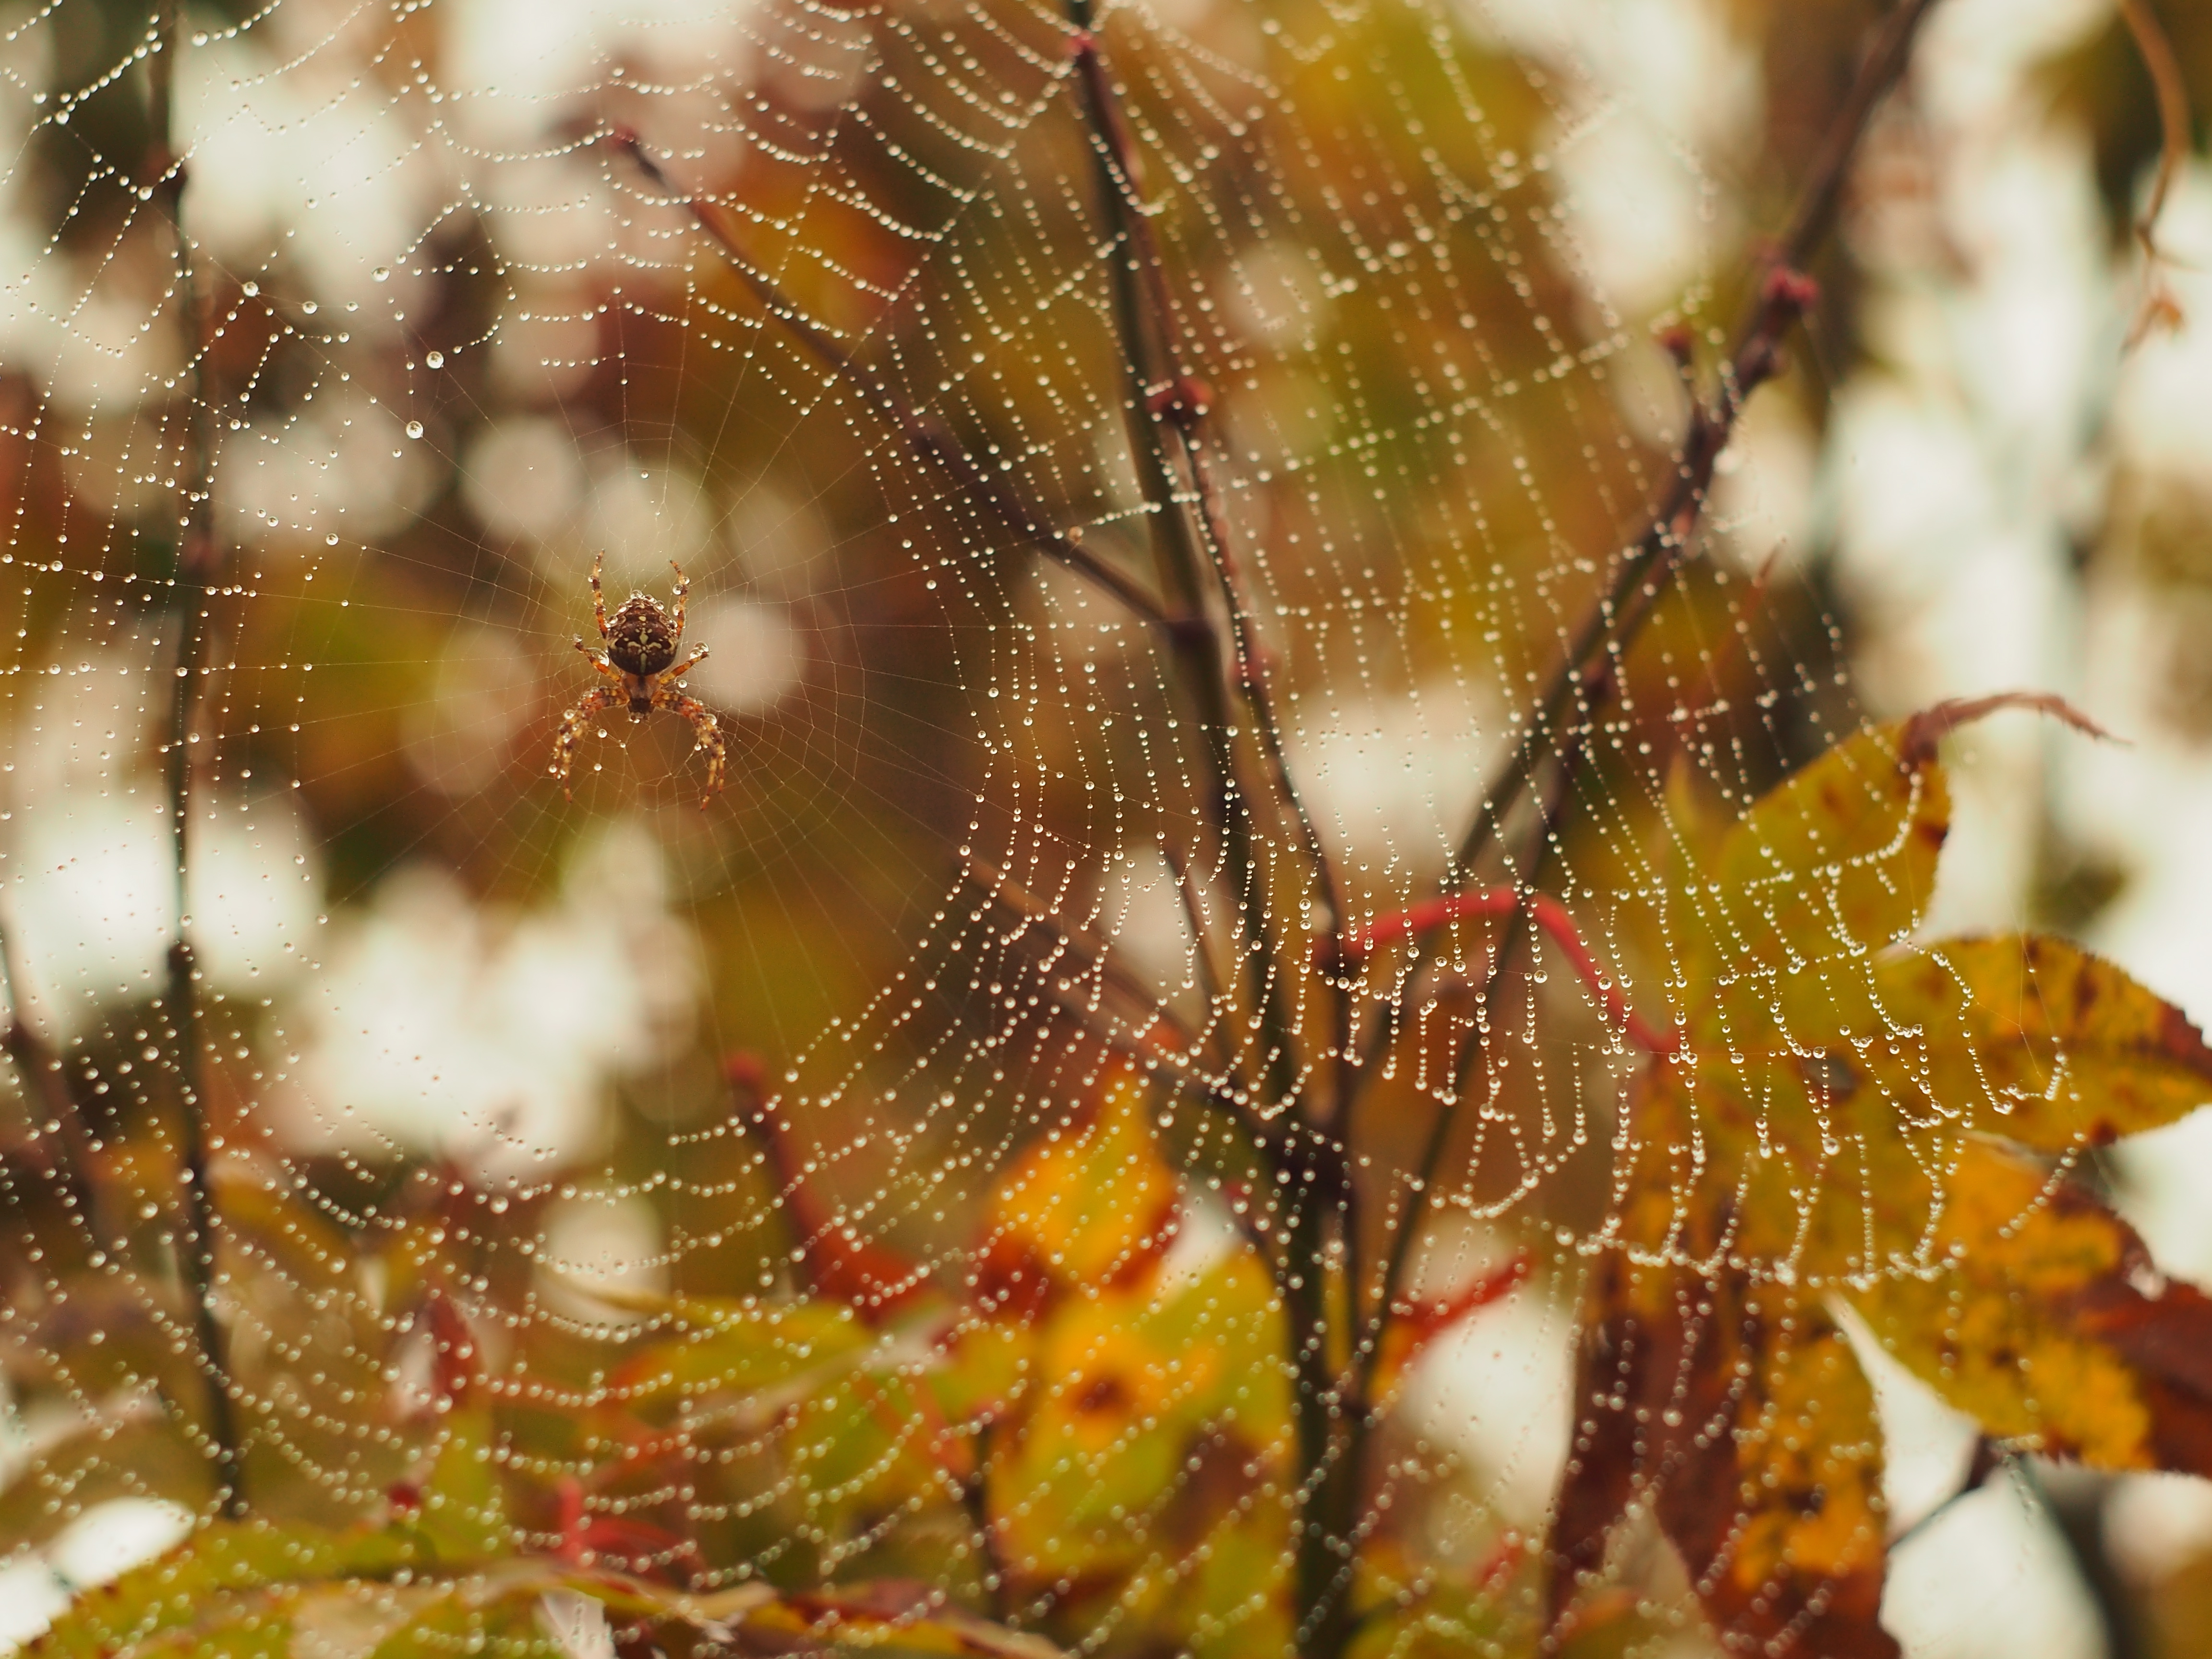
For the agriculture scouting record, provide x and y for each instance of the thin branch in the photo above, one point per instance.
(976, 1499)
(41, 1070)
(1143, 998)
(1642, 573)
(1783, 296)
(1547, 912)
(1194, 647)
(929, 439)
(1642, 570)
(1180, 405)
(1883, 63)
(2173, 92)
(1370, 1330)
(199, 556)
(1183, 552)
(1177, 1058)
(1210, 982)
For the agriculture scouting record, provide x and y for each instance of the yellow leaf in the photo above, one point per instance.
(2040, 1041)
(2046, 1321)
(1091, 1205)
(1839, 859)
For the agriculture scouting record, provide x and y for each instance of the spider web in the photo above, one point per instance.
(584, 1055)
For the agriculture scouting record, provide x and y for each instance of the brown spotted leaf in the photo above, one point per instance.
(2036, 1040)
(1740, 1417)
(1092, 1206)
(2047, 1322)
(1827, 1071)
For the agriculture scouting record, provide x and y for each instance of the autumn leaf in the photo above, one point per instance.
(2049, 1324)
(1739, 1415)
(253, 1588)
(1849, 1116)
(1827, 1070)
(1130, 1381)
(1088, 1206)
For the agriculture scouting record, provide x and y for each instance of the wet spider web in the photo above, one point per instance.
(574, 1056)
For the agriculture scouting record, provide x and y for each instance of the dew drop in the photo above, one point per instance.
(414, 428)
(436, 359)
(382, 273)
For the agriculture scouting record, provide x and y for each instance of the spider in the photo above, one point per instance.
(642, 640)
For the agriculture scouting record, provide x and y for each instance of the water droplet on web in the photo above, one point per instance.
(436, 359)
(382, 273)
(414, 428)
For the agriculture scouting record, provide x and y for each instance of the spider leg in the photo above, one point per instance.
(682, 586)
(676, 673)
(599, 661)
(572, 732)
(711, 743)
(598, 595)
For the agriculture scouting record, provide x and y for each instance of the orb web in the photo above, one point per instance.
(683, 1147)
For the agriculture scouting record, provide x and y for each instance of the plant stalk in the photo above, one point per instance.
(1188, 548)
(198, 559)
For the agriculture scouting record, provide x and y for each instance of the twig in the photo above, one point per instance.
(1639, 574)
(1182, 551)
(1194, 647)
(40, 1071)
(1180, 405)
(1547, 912)
(1784, 295)
(1210, 983)
(929, 439)
(1281, 1142)
(1145, 1002)
(976, 1499)
(1642, 570)
(199, 557)
(1518, 925)
(2159, 305)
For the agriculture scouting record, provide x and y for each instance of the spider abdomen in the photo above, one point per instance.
(640, 637)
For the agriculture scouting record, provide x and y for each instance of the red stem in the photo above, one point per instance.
(1360, 943)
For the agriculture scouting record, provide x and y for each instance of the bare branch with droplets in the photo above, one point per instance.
(199, 558)
(926, 436)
